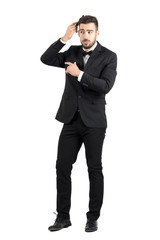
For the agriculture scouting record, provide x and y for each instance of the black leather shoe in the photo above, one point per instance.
(91, 226)
(59, 224)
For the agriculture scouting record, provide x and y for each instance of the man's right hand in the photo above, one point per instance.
(70, 31)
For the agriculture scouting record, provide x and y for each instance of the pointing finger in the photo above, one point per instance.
(68, 63)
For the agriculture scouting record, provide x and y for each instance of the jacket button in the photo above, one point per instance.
(79, 96)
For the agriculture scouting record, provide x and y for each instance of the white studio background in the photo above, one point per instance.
(30, 93)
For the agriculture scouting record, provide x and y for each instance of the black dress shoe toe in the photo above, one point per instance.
(60, 224)
(91, 226)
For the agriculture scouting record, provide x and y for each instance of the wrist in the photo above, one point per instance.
(64, 39)
(78, 73)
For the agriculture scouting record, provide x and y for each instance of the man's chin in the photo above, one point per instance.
(86, 46)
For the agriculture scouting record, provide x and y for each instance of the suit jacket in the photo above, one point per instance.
(89, 94)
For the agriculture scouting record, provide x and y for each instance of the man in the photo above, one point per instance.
(90, 74)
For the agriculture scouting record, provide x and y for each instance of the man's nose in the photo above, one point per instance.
(86, 35)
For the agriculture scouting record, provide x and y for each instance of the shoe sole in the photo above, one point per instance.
(91, 230)
(57, 229)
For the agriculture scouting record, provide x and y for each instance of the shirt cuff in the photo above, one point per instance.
(62, 41)
(80, 76)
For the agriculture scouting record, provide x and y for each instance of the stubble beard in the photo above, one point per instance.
(89, 46)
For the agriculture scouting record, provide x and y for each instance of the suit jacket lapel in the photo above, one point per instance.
(80, 62)
(94, 55)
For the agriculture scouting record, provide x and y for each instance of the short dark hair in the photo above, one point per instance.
(88, 19)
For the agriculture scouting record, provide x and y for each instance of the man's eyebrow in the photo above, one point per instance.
(86, 30)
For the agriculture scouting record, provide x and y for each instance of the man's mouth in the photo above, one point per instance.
(85, 41)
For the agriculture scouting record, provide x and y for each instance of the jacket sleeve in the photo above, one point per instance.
(106, 80)
(52, 56)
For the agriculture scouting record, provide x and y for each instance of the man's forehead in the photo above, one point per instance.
(88, 26)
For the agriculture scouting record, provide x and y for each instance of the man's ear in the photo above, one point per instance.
(98, 33)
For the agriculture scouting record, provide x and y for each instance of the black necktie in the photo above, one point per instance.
(86, 53)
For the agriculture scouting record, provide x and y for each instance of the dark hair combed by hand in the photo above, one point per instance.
(88, 19)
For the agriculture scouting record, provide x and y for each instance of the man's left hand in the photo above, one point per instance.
(72, 69)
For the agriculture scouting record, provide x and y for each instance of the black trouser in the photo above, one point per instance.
(71, 138)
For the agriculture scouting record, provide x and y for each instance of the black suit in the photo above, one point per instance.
(89, 94)
(87, 125)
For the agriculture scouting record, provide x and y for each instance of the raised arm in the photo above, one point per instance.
(52, 56)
